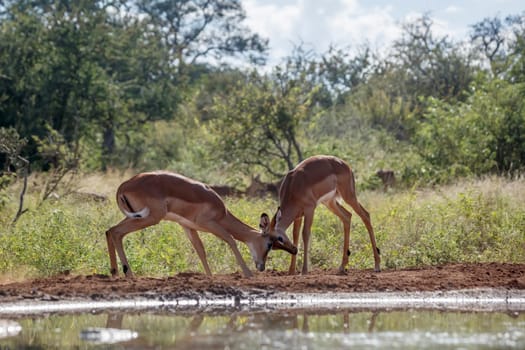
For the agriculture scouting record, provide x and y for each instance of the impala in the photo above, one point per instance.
(318, 179)
(148, 198)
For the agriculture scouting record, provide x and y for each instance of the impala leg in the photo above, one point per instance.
(346, 218)
(296, 228)
(199, 248)
(220, 232)
(365, 216)
(245, 270)
(117, 233)
(112, 255)
(307, 226)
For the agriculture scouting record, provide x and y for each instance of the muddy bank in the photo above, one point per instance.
(450, 277)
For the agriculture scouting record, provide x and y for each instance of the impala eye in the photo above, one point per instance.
(269, 245)
(280, 239)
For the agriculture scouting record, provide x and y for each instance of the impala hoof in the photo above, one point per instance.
(260, 266)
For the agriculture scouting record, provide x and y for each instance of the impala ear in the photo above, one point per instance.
(264, 223)
(278, 215)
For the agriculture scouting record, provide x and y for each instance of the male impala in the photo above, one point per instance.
(147, 198)
(318, 179)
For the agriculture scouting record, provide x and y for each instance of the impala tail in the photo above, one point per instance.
(128, 210)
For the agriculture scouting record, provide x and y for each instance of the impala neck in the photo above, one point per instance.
(238, 229)
(288, 215)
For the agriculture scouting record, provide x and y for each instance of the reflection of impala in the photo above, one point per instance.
(318, 179)
(148, 198)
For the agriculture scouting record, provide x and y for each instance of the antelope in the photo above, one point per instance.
(148, 198)
(387, 177)
(318, 179)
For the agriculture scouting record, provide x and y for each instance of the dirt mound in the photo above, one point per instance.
(435, 278)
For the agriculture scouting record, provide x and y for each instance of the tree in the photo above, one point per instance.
(434, 66)
(497, 40)
(484, 134)
(96, 71)
(258, 124)
(393, 94)
(342, 73)
(14, 165)
(196, 29)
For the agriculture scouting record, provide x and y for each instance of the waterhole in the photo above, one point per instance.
(435, 321)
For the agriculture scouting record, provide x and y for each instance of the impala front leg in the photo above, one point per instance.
(199, 248)
(346, 218)
(307, 226)
(220, 232)
(296, 229)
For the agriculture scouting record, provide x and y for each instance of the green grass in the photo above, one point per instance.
(475, 221)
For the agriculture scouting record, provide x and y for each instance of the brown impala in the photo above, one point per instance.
(318, 179)
(147, 198)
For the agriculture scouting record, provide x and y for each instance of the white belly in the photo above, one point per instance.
(327, 197)
(183, 221)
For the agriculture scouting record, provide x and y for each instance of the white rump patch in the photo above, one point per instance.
(137, 215)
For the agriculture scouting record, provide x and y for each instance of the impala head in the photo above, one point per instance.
(262, 246)
(278, 235)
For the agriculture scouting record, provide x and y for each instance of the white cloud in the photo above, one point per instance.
(452, 9)
(318, 24)
(350, 23)
(276, 22)
(376, 26)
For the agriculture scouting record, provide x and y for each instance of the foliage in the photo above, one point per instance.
(194, 29)
(58, 156)
(10, 155)
(486, 133)
(432, 66)
(499, 42)
(96, 72)
(259, 124)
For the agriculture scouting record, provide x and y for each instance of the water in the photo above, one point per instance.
(246, 328)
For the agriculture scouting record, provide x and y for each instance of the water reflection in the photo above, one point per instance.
(305, 329)
(9, 328)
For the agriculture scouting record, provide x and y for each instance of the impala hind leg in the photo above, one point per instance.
(346, 218)
(199, 248)
(296, 228)
(112, 255)
(114, 238)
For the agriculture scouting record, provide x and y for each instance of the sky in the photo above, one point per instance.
(317, 24)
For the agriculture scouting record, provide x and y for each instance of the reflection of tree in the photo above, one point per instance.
(239, 323)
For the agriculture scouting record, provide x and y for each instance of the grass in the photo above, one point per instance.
(474, 221)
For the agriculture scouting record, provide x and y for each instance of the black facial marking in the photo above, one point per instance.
(125, 268)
